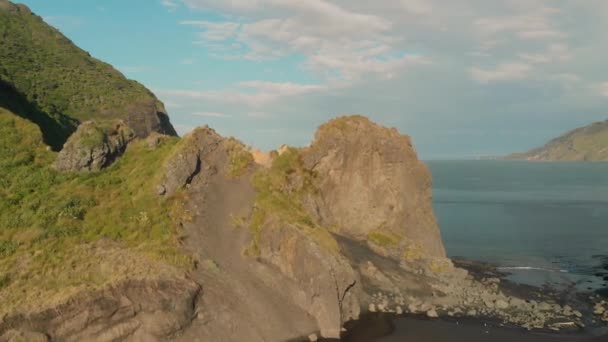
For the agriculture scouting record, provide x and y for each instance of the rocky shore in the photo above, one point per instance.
(477, 296)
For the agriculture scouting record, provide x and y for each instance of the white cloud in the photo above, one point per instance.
(525, 26)
(502, 72)
(603, 89)
(338, 42)
(417, 6)
(214, 31)
(170, 4)
(393, 57)
(555, 53)
(248, 93)
(211, 114)
(188, 61)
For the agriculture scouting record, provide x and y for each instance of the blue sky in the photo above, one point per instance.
(464, 78)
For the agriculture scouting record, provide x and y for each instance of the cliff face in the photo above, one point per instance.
(263, 233)
(372, 187)
(589, 143)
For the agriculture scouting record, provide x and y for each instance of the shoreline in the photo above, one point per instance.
(388, 326)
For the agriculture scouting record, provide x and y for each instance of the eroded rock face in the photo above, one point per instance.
(371, 186)
(329, 289)
(93, 146)
(134, 310)
(148, 116)
(187, 161)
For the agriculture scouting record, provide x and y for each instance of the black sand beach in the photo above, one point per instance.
(383, 328)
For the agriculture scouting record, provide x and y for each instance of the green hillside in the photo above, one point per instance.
(45, 78)
(64, 232)
(51, 222)
(589, 143)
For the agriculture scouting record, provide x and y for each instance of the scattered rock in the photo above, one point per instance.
(432, 313)
(313, 338)
(501, 304)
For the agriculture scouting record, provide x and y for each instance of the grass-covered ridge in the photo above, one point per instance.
(61, 82)
(589, 143)
(60, 232)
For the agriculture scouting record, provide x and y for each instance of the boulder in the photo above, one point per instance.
(94, 146)
(185, 162)
(501, 304)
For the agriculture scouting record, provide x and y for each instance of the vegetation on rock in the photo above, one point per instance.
(281, 190)
(240, 158)
(51, 221)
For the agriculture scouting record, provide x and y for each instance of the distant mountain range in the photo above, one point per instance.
(589, 143)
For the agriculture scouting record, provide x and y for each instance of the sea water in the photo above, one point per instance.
(544, 223)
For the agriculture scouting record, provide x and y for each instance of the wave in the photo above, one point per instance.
(530, 268)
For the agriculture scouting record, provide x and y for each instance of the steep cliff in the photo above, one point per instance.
(589, 143)
(372, 187)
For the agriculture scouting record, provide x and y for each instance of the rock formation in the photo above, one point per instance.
(372, 187)
(133, 310)
(93, 147)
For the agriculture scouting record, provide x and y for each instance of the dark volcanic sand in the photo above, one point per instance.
(438, 331)
(378, 327)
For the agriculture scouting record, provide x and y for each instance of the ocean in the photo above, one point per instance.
(544, 223)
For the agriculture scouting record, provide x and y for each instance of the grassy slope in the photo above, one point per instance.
(588, 143)
(52, 224)
(60, 80)
(281, 190)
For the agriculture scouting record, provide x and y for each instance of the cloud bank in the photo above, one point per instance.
(476, 70)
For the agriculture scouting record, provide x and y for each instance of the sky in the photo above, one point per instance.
(464, 79)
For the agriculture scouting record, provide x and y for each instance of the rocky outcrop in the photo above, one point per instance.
(600, 309)
(148, 116)
(133, 310)
(329, 288)
(315, 282)
(187, 161)
(371, 186)
(94, 146)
